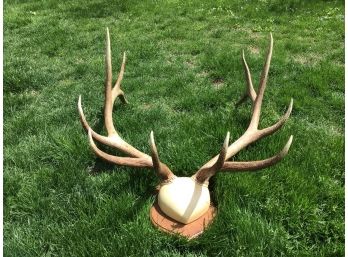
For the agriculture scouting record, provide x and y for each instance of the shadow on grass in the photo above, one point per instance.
(140, 183)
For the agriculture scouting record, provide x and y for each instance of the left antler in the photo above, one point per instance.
(253, 133)
(137, 158)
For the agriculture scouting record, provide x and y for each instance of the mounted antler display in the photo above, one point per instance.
(185, 201)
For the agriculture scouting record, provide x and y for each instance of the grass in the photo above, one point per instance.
(183, 77)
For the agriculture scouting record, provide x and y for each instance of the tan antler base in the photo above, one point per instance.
(169, 225)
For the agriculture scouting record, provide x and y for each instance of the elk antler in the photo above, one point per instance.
(252, 134)
(137, 158)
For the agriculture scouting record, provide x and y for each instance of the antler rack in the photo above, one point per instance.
(139, 159)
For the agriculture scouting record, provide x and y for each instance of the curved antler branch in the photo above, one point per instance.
(123, 161)
(257, 165)
(162, 169)
(270, 130)
(108, 89)
(207, 172)
(250, 91)
(116, 91)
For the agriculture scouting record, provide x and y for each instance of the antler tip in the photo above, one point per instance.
(152, 140)
(107, 34)
(290, 139)
(290, 107)
(154, 154)
(108, 40)
(287, 146)
(227, 140)
(79, 106)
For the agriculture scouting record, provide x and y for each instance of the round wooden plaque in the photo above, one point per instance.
(169, 225)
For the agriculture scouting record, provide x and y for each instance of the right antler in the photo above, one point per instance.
(137, 158)
(251, 134)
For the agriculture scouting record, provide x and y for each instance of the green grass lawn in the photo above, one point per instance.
(183, 76)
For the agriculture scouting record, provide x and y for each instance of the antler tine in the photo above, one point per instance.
(257, 165)
(162, 169)
(252, 134)
(250, 91)
(210, 171)
(108, 105)
(116, 91)
(154, 153)
(262, 86)
(271, 129)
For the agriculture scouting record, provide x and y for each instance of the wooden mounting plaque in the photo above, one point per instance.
(169, 225)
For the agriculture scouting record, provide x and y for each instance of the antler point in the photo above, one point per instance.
(287, 146)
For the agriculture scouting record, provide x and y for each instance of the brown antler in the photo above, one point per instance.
(252, 134)
(137, 158)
